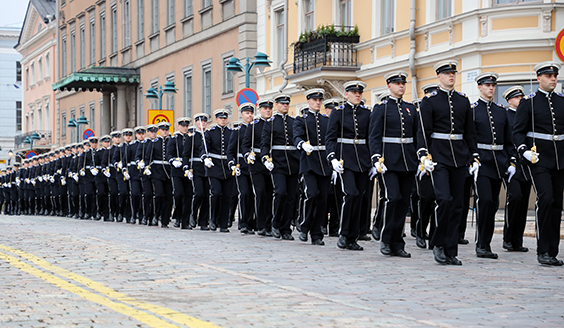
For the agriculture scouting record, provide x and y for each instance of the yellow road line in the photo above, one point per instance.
(170, 314)
(146, 318)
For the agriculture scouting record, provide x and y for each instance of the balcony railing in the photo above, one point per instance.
(330, 50)
(45, 140)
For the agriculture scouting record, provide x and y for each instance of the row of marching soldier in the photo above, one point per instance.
(316, 171)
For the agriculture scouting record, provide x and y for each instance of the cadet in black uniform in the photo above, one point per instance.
(144, 149)
(90, 172)
(310, 130)
(332, 222)
(101, 179)
(241, 169)
(449, 131)
(112, 179)
(135, 181)
(74, 186)
(497, 158)
(182, 186)
(537, 131)
(160, 176)
(348, 153)
(260, 176)
(518, 188)
(121, 162)
(393, 128)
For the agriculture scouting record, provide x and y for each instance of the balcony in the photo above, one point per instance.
(44, 140)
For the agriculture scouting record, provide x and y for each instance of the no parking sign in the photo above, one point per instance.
(246, 95)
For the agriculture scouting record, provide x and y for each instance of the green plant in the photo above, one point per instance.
(321, 32)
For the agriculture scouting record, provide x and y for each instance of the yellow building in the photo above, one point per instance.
(504, 36)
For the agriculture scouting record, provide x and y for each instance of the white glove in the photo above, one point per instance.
(474, 169)
(429, 164)
(307, 147)
(269, 165)
(334, 177)
(510, 172)
(126, 175)
(176, 163)
(373, 172)
(94, 171)
(33, 182)
(190, 175)
(208, 162)
(141, 165)
(63, 181)
(252, 158)
(337, 166)
(528, 154)
(236, 170)
(75, 177)
(17, 180)
(107, 173)
(380, 167)
(40, 178)
(119, 165)
(52, 179)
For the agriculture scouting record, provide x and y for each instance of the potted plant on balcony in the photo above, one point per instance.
(325, 33)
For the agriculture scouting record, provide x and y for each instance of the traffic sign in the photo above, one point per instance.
(559, 45)
(87, 134)
(30, 154)
(246, 95)
(2, 161)
(157, 116)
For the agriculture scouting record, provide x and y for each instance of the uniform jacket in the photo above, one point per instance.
(521, 173)
(312, 127)
(133, 161)
(217, 140)
(191, 153)
(251, 142)
(278, 131)
(174, 150)
(235, 149)
(160, 168)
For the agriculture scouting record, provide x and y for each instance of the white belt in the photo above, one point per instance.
(111, 165)
(195, 159)
(217, 156)
(544, 136)
(397, 140)
(490, 147)
(280, 147)
(88, 166)
(446, 136)
(256, 150)
(322, 147)
(98, 167)
(240, 155)
(160, 162)
(132, 163)
(352, 141)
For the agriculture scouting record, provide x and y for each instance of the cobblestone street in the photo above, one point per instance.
(59, 272)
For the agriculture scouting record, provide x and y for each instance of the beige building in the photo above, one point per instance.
(111, 51)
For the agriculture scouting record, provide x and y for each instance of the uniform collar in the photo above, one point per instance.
(313, 112)
(398, 100)
(450, 92)
(486, 101)
(512, 109)
(546, 93)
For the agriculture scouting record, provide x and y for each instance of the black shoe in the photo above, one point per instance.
(261, 232)
(364, 238)
(354, 246)
(268, 234)
(69, 215)
(177, 224)
(188, 227)
(275, 232)
(413, 233)
(385, 248)
(303, 236)
(287, 236)
(223, 230)
(544, 258)
(143, 221)
(484, 253)
(119, 218)
(425, 235)
(155, 221)
(439, 254)
(401, 253)
(462, 241)
(165, 226)
(299, 227)
(507, 245)
(318, 242)
(556, 262)
(98, 216)
(376, 233)
(420, 242)
(518, 249)
(192, 222)
(324, 230)
(342, 242)
(244, 230)
(212, 226)
(452, 260)
(204, 228)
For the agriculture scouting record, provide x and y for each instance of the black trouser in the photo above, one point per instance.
(147, 198)
(334, 199)
(397, 188)
(414, 206)
(55, 196)
(448, 184)
(90, 199)
(14, 193)
(63, 197)
(366, 209)
(114, 196)
(183, 193)
(426, 206)
(233, 201)
(316, 188)
(487, 203)
(468, 186)
(162, 199)
(354, 186)
(74, 195)
(377, 220)
(7, 201)
(124, 205)
(220, 189)
(549, 185)
(201, 201)
(284, 203)
(263, 189)
(516, 206)
(136, 196)
(102, 196)
(31, 195)
(246, 201)
(2, 200)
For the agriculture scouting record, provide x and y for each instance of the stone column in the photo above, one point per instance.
(106, 118)
(121, 108)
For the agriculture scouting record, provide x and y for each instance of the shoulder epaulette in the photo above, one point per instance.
(434, 93)
(325, 115)
(291, 116)
(530, 96)
(304, 115)
(255, 121)
(500, 105)
(383, 102)
(173, 136)
(339, 108)
(474, 104)
(559, 94)
(212, 128)
(271, 119)
(462, 94)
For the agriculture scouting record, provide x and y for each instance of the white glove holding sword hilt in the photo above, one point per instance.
(208, 162)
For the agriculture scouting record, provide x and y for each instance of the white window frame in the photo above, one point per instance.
(92, 115)
(170, 99)
(188, 8)
(154, 16)
(307, 13)
(102, 35)
(39, 69)
(279, 27)
(170, 12)
(114, 40)
(392, 19)
(73, 51)
(206, 67)
(187, 91)
(448, 8)
(340, 21)
(47, 64)
(140, 19)
(92, 40)
(32, 69)
(227, 77)
(82, 46)
(126, 23)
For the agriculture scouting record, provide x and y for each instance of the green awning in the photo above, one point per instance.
(98, 78)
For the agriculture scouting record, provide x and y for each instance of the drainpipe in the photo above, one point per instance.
(285, 59)
(55, 63)
(412, 52)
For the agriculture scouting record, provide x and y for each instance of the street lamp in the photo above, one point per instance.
(10, 155)
(261, 62)
(76, 124)
(153, 94)
(29, 139)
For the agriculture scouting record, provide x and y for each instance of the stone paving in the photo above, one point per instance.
(234, 280)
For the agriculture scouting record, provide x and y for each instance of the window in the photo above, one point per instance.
(62, 3)
(127, 24)
(345, 10)
(309, 7)
(114, 29)
(206, 3)
(387, 18)
(140, 98)
(155, 16)
(170, 14)
(169, 98)
(39, 118)
(47, 115)
(47, 65)
(227, 76)
(444, 9)
(32, 73)
(102, 36)
(18, 71)
(73, 52)
(92, 41)
(92, 122)
(39, 70)
(82, 47)
(188, 8)
(63, 125)
(27, 84)
(64, 56)
(18, 116)
(188, 94)
(207, 89)
(280, 45)
(140, 19)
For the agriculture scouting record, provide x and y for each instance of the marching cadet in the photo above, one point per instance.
(142, 150)
(135, 181)
(90, 179)
(65, 162)
(16, 188)
(194, 170)
(2, 184)
(55, 185)
(518, 188)
(234, 193)
(537, 131)
(7, 191)
(101, 179)
(121, 160)
(34, 192)
(335, 195)
(112, 179)
(159, 171)
(24, 181)
(281, 158)
(309, 137)
(497, 158)
(214, 155)
(348, 153)
(393, 129)
(240, 168)
(182, 186)
(81, 172)
(260, 176)
(447, 133)
(74, 192)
